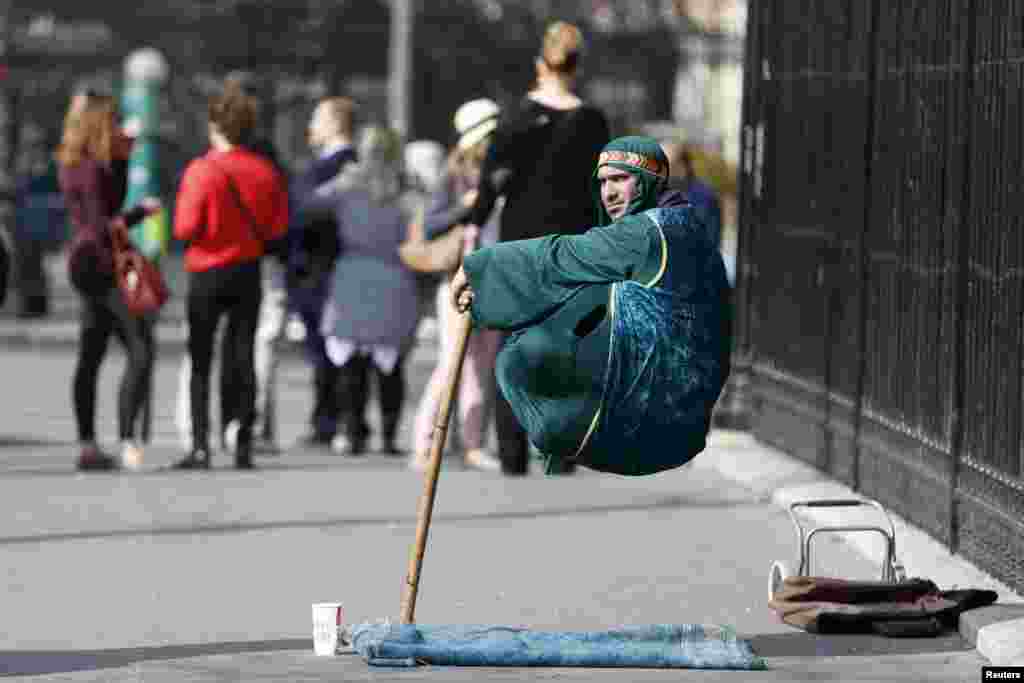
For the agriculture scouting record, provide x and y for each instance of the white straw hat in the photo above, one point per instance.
(475, 120)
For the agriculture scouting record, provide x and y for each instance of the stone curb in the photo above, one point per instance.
(997, 631)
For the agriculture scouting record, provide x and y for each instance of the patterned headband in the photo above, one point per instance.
(652, 165)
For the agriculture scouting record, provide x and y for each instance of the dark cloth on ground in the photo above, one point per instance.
(913, 608)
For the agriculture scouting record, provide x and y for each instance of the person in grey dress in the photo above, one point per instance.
(369, 320)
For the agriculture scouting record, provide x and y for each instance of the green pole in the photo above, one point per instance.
(145, 73)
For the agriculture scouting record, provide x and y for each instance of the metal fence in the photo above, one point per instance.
(881, 298)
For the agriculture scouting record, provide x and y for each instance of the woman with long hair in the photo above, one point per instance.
(93, 158)
(475, 122)
(540, 160)
(232, 203)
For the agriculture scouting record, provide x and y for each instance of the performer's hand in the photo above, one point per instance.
(462, 295)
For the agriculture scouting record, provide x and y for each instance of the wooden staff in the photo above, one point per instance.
(419, 547)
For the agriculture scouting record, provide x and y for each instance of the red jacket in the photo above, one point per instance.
(209, 218)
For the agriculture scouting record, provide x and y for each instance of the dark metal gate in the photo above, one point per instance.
(881, 298)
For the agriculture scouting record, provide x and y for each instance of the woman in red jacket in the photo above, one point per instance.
(231, 204)
(93, 158)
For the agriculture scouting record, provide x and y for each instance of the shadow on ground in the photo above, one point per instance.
(41, 662)
(12, 441)
(192, 530)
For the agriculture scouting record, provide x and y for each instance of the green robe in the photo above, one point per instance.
(552, 293)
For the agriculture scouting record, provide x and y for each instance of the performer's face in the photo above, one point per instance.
(618, 189)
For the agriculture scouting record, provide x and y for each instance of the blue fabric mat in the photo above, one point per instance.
(664, 646)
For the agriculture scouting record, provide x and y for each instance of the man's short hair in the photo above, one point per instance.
(342, 111)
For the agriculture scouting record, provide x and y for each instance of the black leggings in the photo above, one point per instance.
(353, 393)
(235, 291)
(101, 317)
(513, 445)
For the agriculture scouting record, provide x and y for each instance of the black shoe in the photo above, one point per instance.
(92, 459)
(389, 448)
(196, 460)
(244, 462)
(518, 467)
(34, 306)
(562, 467)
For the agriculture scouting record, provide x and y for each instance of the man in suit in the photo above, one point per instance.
(312, 248)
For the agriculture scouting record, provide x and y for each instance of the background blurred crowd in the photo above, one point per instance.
(357, 245)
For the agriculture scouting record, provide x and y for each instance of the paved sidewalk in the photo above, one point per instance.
(163, 576)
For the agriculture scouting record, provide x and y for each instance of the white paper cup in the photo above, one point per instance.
(328, 629)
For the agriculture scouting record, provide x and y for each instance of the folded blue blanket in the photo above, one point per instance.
(663, 646)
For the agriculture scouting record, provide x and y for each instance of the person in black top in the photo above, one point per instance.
(540, 160)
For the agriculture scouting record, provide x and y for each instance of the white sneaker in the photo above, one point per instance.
(480, 459)
(342, 445)
(231, 436)
(131, 456)
(419, 462)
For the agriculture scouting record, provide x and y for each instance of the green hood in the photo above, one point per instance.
(644, 158)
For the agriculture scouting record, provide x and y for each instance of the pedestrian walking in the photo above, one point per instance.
(232, 203)
(269, 334)
(542, 152)
(312, 249)
(475, 122)
(622, 334)
(369, 320)
(93, 159)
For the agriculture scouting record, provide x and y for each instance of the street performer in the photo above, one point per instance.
(621, 335)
